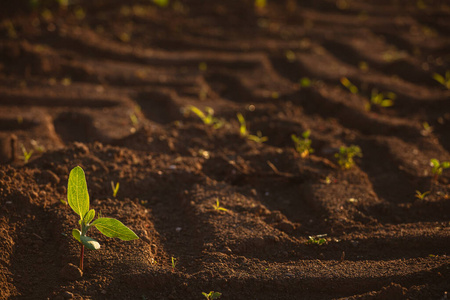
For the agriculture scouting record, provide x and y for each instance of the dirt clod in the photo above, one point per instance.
(71, 272)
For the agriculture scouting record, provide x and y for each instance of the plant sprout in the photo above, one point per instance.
(212, 295)
(218, 207)
(438, 167)
(421, 196)
(174, 263)
(303, 144)
(379, 99)
(26, 154)
(259, 138)
(350, 86)
(443, 79)
(346, 154)
(208, 118)
(317, 239)
(78, 198)
(115, 188)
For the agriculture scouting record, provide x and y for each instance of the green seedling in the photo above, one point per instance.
(38, 147)
(218, 207)
(26, 154)
(260, 3)
(421, 196)
(259, 138)
(203, 66)
(317, 239)
(346, 154)
(78, 198)
(303, 144)
(115, 188)
(427, 128)
(379, 99)
(174, 263)
(438, 167)
(134, 119)
(305, 82)
(161, 3)
(208, 118)
(443, 79)
(212, 295)
(350, 86)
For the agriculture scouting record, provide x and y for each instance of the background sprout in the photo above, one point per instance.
(115, 188)
(438, 167)
(207, 117)
(379, 99)
(218, 207)
(78, 198)
(421, 196)
(259, 138)
(303, 144)
(212, 295)
(26, 154)
(444, 80)
(346, 154)
(350, 86)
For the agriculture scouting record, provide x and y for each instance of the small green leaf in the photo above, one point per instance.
(77, 193)
(216, 295)
(445, 164)
(90, 243)
(89, 216)
(114, 228)
(76, 234)
(387, 103)
(439, 78)
(434, 162)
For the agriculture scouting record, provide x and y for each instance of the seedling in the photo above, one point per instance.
(260, 3)
(305, 82)
(174, 263)
(38, 147)
(218, 207)
(26, 154)
(161, 3)
(259, 138)
(303, 144)
(317, 239)
(78, 198)
(438, 167)
(134, 119)
(350, 86)
(445, 81)
(379, 99)
(212, 295)
(421, 196)
(427, 128)
(346, 154)
(208, 118)
(115, 188)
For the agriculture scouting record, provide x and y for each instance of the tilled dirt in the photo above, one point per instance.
(105, 86)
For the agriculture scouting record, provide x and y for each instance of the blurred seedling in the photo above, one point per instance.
(427, 129)
(78, 198)
(217, 206)
(350, 86)
(161, 3)
(379, 99)
(174, 263)
(38, 147)
(259, 138)
(421, 196)
(260, 3)
(346, 154)
(303, 144)
(26, 154)
(317, 239)
(305, 82)
(212, 295)
(207, 117)
(115, 188)
(438, 167)
(443, 79)
(203, 66)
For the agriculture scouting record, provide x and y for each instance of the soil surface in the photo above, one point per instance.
(105, 85)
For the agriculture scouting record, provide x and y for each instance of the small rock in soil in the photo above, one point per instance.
(286, 226)
(49, 176)
(67, 295)
(71, 272)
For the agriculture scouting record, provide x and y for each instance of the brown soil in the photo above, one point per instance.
(71, 82)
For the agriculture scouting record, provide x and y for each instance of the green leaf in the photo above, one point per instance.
(89, 243)
(89, 216)
(387, 103)
(434, 162)
(439, 78)
(445, 164)
(114, 228)
(77, 193)
(76, 234)
(216, 295)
